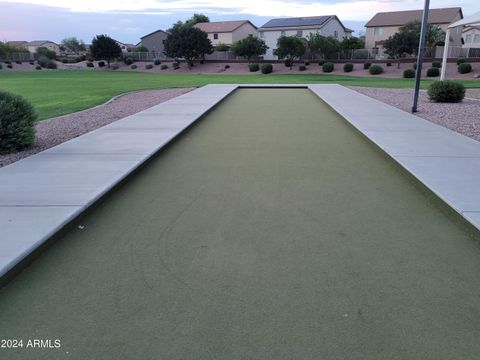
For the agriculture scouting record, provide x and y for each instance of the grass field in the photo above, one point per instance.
(57, 93)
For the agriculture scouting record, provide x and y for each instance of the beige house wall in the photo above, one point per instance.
(48, 45)
(244, 31)
(223, 38)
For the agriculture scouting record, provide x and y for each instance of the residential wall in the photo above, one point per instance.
(154, 42)
(244, 31)
(223, 38)
(48, 45)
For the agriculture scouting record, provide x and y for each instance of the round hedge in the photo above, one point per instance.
(157, 62)
(464, 68)
(436, 64)
(348, 67)
(253, 67)
(288, 63)
(328, 67)
(163, 67)
(446, 91)
(133, 67)
(17, 120)
(302, 67)
(433, 72)
(375, 69)
(461, 61)
(409, 73)
(266, 68)
(149, 66)
(128, 60)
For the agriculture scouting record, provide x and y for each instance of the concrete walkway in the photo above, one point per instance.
(41, 194)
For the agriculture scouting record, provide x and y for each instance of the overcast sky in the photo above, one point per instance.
(127, 20)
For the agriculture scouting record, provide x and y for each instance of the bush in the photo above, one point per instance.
(222, 47)
(253, 67)
(461, 61)
(128, 60)
(302, 67)
(38, 67)
(328, 67)
(149, 66)
(227, 67)
(157, 62)
(389, 64)
(10, 66)
(267, 68)
(307, 63)
(375, 69)
(446, 91)
(433, 72)
(409, 73)
(133, 67)
(163, 67)
(0, 66)
(367, 65)
(18, 62)
(8, 62)
(101, 63)
(90, 64)
(288, 63)
(51, 65)
(17, 120)
(464, 68)
(176, 64)
(114, 66)
(436, 64)
(348, 67)
(321, 62)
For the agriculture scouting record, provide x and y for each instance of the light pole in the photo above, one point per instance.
(421, 51)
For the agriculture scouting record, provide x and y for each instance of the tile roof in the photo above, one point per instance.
(398, 18)
(222, 26)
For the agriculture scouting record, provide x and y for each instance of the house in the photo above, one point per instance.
(124, 46)
(385, 24)
(471, 37)
(329, 25)
(227, 32)
(18, 44)
(154, 41)
(32, 46)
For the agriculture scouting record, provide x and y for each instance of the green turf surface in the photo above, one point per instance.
(271, 230)
(57, 93)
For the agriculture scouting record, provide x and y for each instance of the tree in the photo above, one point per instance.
(187, 42)
(249, 47)
(195, 19)
(73, 45)
(46, 52)
(140, 48)
(325, 46)
(289, 48)
(352, 43)
(406, 40)
(105, 48)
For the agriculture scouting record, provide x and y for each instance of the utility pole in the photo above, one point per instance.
(421, 51)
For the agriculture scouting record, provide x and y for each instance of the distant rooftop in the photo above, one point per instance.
(222, 26)
(399, 18)
(297, 22)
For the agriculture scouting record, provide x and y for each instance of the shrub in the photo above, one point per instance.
(288, 63)
(267, 68)
(0, 66)
(436, 64)
(64, 61)
(409, 73)
(90, 64)
(464, 68)
(348, 67)
(367, 65)
(51, 65)
(446, 91)
(307, 63)
(375, 69)
(227, 66)
(253, 67)
(222, 47)
(10, 66)
(163, 67)
(18, 62)
(321, 62)
(149, 66)
(302, 67)
(328, 67)
(38, 67)
(461, 61)
(17, 119)
(389, 64)
(176, 65)
(133, 67)
(157, 62)
(101, 63)
(128, 60)
(114, 66)
(433, 72)
(8, 62)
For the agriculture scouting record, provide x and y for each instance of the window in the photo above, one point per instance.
(299, 33)
(262, 35)
(468, 38)
(335, 33)
(378, 31)
(215, 36)
(476, 38)
(282, 33)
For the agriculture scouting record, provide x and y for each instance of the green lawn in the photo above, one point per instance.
(57, 93)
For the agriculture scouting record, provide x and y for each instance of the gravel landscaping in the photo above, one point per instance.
(463, 117)
(58, 130)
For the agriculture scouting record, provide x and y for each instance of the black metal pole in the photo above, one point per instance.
(421, 51)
